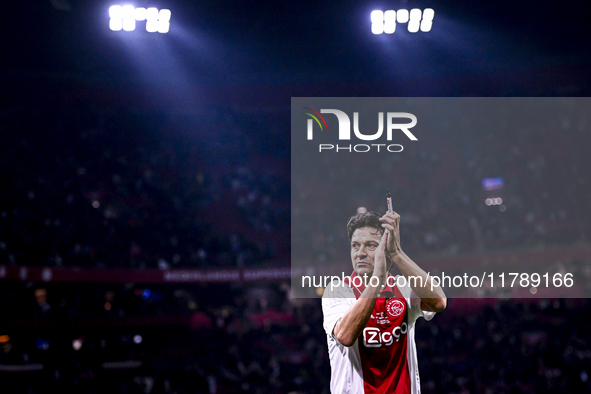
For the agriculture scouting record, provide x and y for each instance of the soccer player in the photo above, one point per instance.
(370, 320)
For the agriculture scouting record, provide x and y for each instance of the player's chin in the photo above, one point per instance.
(363, 270)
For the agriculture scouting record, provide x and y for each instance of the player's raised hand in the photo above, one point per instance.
(391, 222)
(380, 268)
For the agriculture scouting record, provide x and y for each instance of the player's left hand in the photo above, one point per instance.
(391, 222)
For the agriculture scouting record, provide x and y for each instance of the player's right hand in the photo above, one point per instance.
(380, 268)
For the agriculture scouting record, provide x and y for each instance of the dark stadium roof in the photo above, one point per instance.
(285, 49)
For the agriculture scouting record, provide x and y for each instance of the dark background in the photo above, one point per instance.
(160, 152)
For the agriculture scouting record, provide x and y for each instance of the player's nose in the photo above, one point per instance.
(362, 251)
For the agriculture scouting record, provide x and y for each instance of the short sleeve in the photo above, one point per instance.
(335, 303)
(413, 300)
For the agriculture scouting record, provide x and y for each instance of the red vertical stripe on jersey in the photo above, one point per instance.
(383, 345)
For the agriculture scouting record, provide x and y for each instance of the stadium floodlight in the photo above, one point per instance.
(385, 21)
(164, 15)
(129, 24)
(377, 22)
(163, 27)
(152, 26)
(163, 21)
(127, 11)
(415, 20)
(125, 17)
(402, 16)
(116, 24)
(152, 14)
(152, 20)
(389, 22)
(116, 12)
(427, 21)
(140, 14)
(128, 20)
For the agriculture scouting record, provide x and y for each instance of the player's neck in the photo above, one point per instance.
(365, 278)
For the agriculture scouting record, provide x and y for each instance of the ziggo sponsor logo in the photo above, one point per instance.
(345, 130)
(374, 337)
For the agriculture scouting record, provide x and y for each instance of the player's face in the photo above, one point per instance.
(364, 243)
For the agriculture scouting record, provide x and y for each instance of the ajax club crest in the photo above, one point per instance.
(395, 307)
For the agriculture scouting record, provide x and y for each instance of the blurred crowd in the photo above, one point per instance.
(507, 346)
(103, 188)
(256, 339)
(536, 146)
(91, 338)
(98, 188)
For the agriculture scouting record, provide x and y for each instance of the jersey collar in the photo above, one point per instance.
(387, 292)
